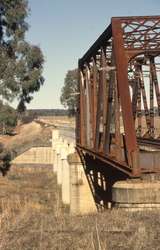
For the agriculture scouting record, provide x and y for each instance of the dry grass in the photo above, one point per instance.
(32, 218)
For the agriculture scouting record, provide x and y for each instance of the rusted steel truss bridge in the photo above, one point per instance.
(118, 123)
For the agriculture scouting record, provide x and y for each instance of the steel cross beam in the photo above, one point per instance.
(119, 100)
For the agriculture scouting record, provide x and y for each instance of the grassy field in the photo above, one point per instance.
(32, 218)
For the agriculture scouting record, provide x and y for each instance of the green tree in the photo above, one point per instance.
(21, 63)
(8, 118)
(69, 91)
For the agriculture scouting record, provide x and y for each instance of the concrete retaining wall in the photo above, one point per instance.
(35, 155)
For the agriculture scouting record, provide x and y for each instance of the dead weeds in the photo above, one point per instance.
(33, 218)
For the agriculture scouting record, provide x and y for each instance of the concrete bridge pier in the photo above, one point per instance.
(66, 173)
(137, 194)
(81, 199)
(58, 146)
(65, 177)
(59, 165)
(55, 141)
(62, 157)
(71, 148)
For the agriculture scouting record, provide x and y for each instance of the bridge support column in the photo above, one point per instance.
(55, 140)
(137, 194)
(59, 167)
(58, 146)
(81, 200)
(66, 174)
(65, 178)
(62, 149)
(61, 146)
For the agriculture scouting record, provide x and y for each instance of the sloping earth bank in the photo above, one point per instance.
(27, 136)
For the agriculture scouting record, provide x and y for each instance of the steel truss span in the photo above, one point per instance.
(119, 103)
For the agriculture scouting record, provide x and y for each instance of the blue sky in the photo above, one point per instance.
(65, 29)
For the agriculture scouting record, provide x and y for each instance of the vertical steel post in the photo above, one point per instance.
(123, 87)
